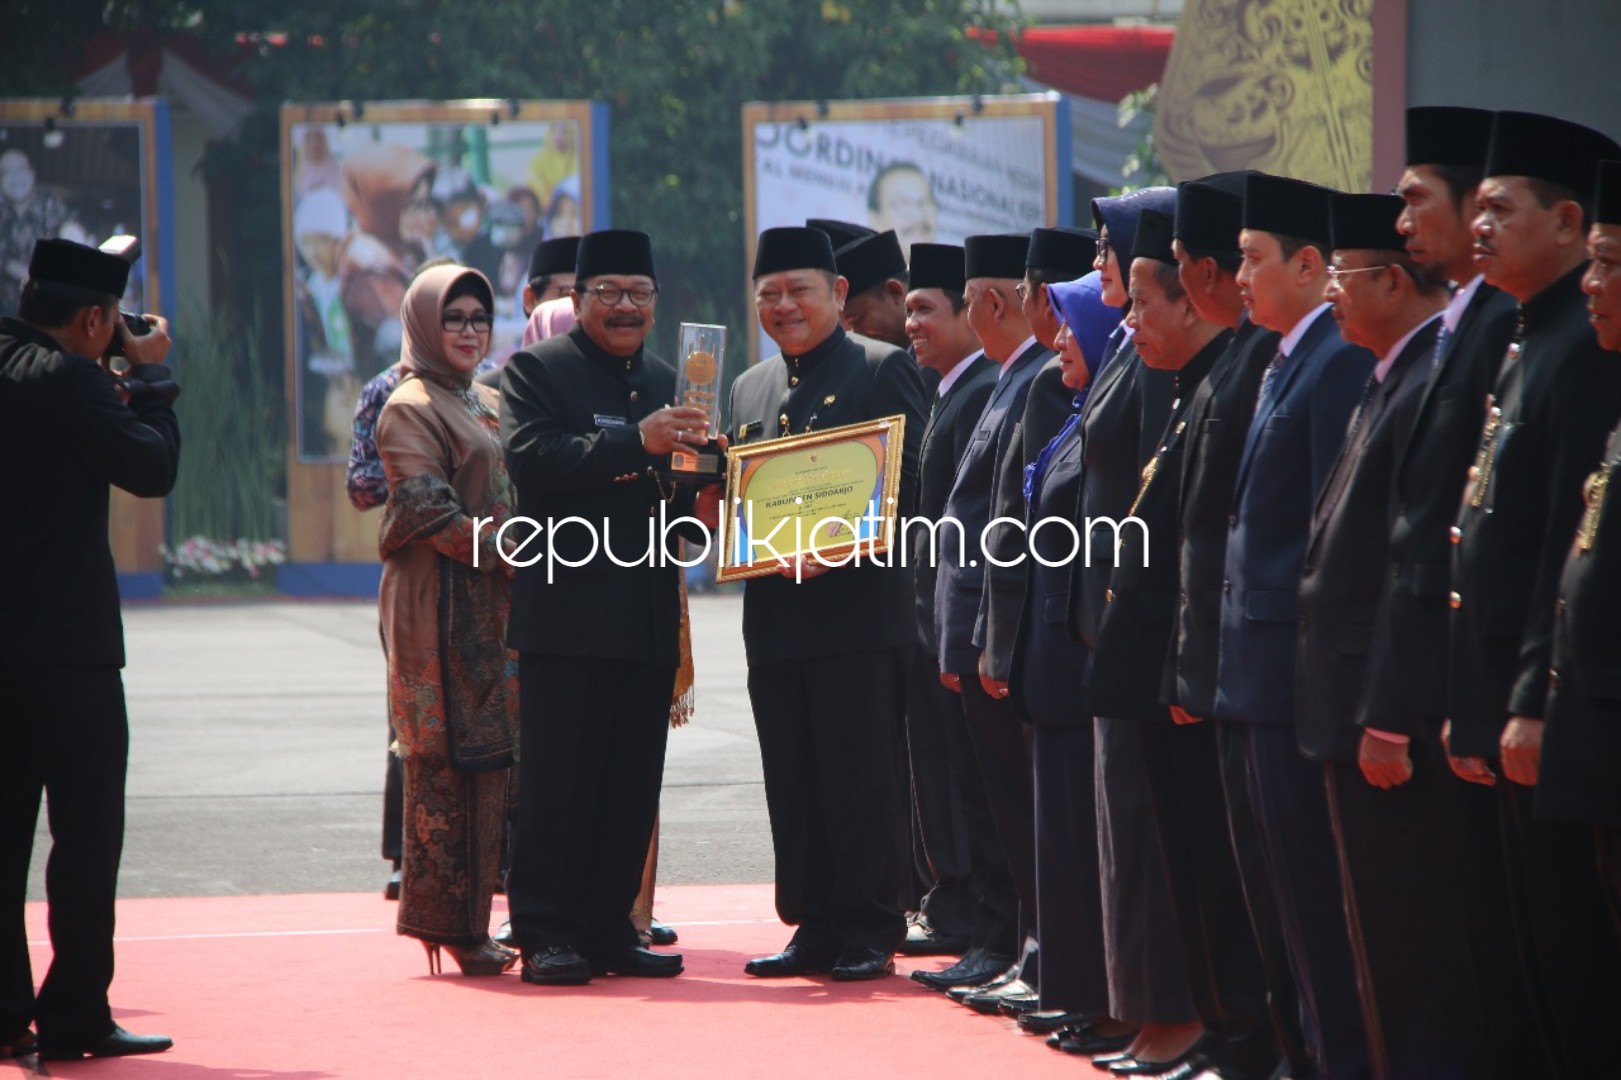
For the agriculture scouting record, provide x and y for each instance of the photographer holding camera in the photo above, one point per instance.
(70, 429)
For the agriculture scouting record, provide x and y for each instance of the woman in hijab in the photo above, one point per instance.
(1050, 674)
(452, 684)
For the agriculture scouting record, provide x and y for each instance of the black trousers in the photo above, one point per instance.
(591, 764)
(1148, 975)
(1001, 743)
(1302, 870)
(971, 892)
(1405, 879)
(1069, 897)
(1225, 975)
(828, 747)
(1574, 956)
(65, 734)
(1608, 841)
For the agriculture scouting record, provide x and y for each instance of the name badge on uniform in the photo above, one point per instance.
(609, 421)
(748, 431)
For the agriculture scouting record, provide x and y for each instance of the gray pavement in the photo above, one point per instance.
(257, 735)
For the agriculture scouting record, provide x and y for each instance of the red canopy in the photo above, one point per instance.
(1101, 62)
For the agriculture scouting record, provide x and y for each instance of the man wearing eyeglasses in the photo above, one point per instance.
(596, 618)
(828, 645)
(1394, 821)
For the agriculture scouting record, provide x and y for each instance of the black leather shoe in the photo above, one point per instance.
(391, 891)
(556, 965)
(644, 963)
(659, 934)
(1000, 979)
(922, 939)
(1047, 1021)
(976, 968)
(987, 1001)
(19, 1045)
(504, 936)
(116, 1043)
(1195, 1054)
(786, 964)
(1015, 1006)
(1085, 1042)
(855, 965)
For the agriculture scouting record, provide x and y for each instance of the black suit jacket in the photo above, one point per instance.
(1581, 742)
(1217, 422)
(961, 584)
(1558, 401)
(67, 438)
(1140, 603)
(945, 440)
(1346, 556)
(569, 415)
(1111, 431)
(1406, 689)
(844, 380)
(1047, 406)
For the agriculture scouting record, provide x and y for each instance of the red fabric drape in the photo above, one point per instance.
(1101, 62)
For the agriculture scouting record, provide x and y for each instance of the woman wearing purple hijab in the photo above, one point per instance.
(1050, 673)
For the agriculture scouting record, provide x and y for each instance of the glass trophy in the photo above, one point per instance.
(702, 353)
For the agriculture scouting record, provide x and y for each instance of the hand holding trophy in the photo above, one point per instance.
(702, 354)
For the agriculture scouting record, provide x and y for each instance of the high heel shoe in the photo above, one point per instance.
(486, 958)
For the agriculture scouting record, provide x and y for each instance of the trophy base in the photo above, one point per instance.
(695, 466)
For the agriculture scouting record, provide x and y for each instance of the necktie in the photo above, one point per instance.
(1441, 340)
(1268, 379)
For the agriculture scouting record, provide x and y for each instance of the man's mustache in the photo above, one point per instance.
(625, 320)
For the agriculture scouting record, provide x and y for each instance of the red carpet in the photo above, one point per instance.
(307, 987)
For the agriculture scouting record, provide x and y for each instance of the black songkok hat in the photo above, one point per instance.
(1606, 194)
(870, 261)
(615, 251)
(1153, 239)
(556, 256)
(1208, 218)
(1284, 206)
(1547, 148)
(1448, 135)
(67, 263)
(840, 233)
(938, 266)
(1366, 221)
(1064, 254)
(793, 248)
(995, 255)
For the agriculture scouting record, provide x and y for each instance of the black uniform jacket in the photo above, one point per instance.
(961, 586)
(66, 437)
(1047, 406)
(1111, 433)
(569, 416)
(1581, 743)
(1140, 603)
(1218, 420)
(1406, 688)
(1346, 557)
(945, 439)
(1559, 400)
(844, 380)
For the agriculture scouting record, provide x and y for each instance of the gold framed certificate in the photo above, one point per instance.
(828, 495)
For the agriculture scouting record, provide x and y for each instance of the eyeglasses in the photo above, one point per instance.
(455, 322)
(640, 295)
(1025, 291)
(1103, 248)
(1335, 273)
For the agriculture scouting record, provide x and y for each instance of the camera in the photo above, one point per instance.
(127, 248)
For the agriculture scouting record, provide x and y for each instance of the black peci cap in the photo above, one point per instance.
(938, 266)
(1208, 218)
(1064, 254)
(67, 263)
(1547, 148)
(1366, 221)
(793, 248)
(1448, 135)
(995, 255)
(1284, 206)
(1153, 239)
(615, 251)
(870, 261)
(555, 256)
(840, 233)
